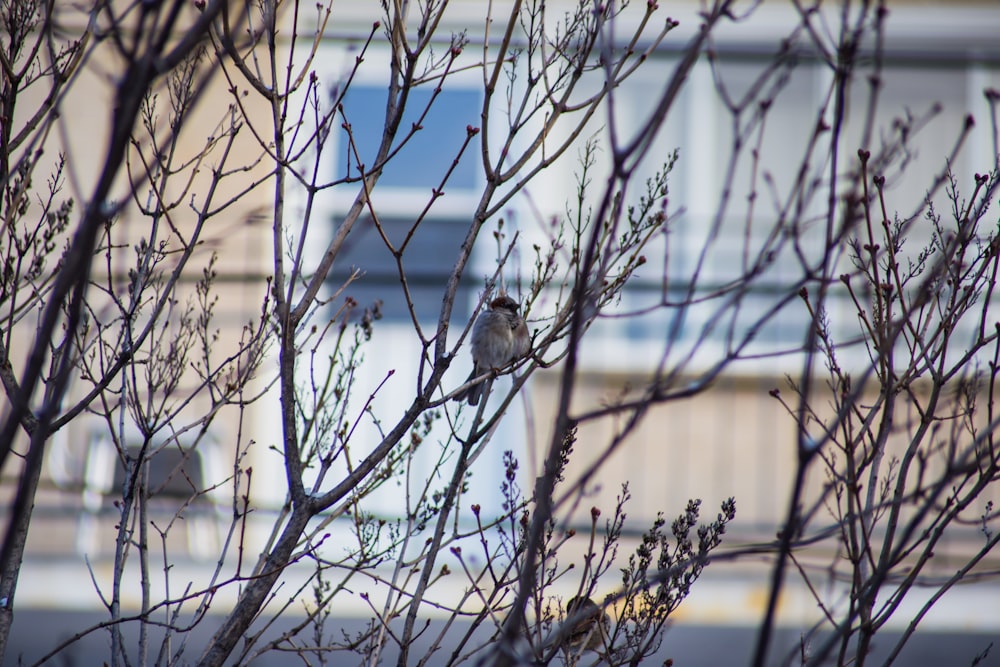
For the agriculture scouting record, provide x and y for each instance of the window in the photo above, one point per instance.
(702, 128)
(402, 193)
(399, 199)
(427, 155)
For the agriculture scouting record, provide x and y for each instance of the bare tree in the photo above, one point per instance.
(114, 272)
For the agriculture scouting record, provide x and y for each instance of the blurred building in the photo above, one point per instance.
(732, 439)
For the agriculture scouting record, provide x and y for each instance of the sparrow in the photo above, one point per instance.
(499, 337)
(590, 625)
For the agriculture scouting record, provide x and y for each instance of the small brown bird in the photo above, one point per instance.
(590, 625)
(499, 337)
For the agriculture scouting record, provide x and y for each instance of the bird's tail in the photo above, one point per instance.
(473, 393)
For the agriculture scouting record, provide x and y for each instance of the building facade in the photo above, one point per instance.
(731, 439)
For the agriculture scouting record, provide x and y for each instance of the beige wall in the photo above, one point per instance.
(240, 235)
(733, 439)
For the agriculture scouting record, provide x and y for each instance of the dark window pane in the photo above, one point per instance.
(430, 255)
(172, 473)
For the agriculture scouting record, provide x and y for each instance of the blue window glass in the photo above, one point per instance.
(429, 153)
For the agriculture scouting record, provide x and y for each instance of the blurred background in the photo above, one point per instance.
(734, 439)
